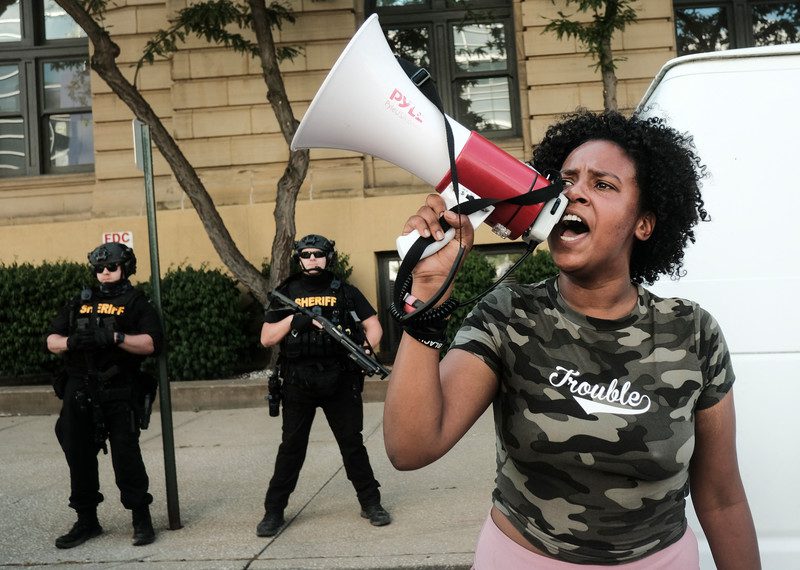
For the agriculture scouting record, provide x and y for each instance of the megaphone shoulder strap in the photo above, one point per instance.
(422, 79)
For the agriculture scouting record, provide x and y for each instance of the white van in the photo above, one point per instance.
(743, 109)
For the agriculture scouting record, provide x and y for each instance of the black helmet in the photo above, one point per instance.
(114, 253)
(317, 242)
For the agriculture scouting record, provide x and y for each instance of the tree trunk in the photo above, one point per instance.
(606, 56)
(295, 173)
(609, 78)
(103, 61)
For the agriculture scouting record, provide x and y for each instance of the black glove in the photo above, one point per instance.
(301, 322)
(103, 338)
(81, 340)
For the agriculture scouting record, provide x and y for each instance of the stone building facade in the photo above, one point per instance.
(213, 101)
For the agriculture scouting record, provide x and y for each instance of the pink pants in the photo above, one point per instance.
(496, 551)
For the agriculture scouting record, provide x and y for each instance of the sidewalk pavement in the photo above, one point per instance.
(224, 459)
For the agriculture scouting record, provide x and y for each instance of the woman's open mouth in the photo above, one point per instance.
(571, 227)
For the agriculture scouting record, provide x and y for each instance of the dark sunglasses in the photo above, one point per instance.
(310, 254)
(110, 266)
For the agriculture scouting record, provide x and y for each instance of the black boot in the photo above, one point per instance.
(86, 527)
(143, 532)
(270, 524)
(376, 514)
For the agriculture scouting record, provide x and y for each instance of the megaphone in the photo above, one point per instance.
(368, 104)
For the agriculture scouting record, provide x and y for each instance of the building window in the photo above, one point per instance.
(469, 51)
(45, 96)
(715, 26)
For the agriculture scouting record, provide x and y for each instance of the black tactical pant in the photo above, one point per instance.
(344, 410)
(75, 431)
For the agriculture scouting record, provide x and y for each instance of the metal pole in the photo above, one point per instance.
(173, 507)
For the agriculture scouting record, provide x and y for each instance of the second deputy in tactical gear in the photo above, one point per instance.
(104, 334)
(316, 372)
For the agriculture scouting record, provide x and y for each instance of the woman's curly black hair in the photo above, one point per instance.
(668, 174)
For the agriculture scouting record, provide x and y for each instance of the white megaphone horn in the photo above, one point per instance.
(368, 104)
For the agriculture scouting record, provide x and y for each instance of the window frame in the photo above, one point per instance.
(739, 17)
(440, 16)
(31, 53)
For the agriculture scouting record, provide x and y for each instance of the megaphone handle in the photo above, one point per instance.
(405, 242)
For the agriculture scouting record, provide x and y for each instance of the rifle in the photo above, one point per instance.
(356, 353)
(92, 394)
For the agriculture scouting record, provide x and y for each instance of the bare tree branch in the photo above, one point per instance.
(103, 61)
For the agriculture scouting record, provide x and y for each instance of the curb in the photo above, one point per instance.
(195, 395)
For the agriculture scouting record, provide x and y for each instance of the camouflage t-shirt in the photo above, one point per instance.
(595, 418)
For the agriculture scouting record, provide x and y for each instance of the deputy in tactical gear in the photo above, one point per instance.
(316, 372)
(104, 334)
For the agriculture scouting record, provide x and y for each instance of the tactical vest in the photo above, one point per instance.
(93, 312)
(335, 305)
(100, 313)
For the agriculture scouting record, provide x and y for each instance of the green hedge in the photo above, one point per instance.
(212, 328)
(474, 277)
(477, 274)
(205, 318)
(30, 297)
(205, 323)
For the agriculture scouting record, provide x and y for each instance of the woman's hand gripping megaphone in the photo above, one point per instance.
(405, 242)
(432, 271)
